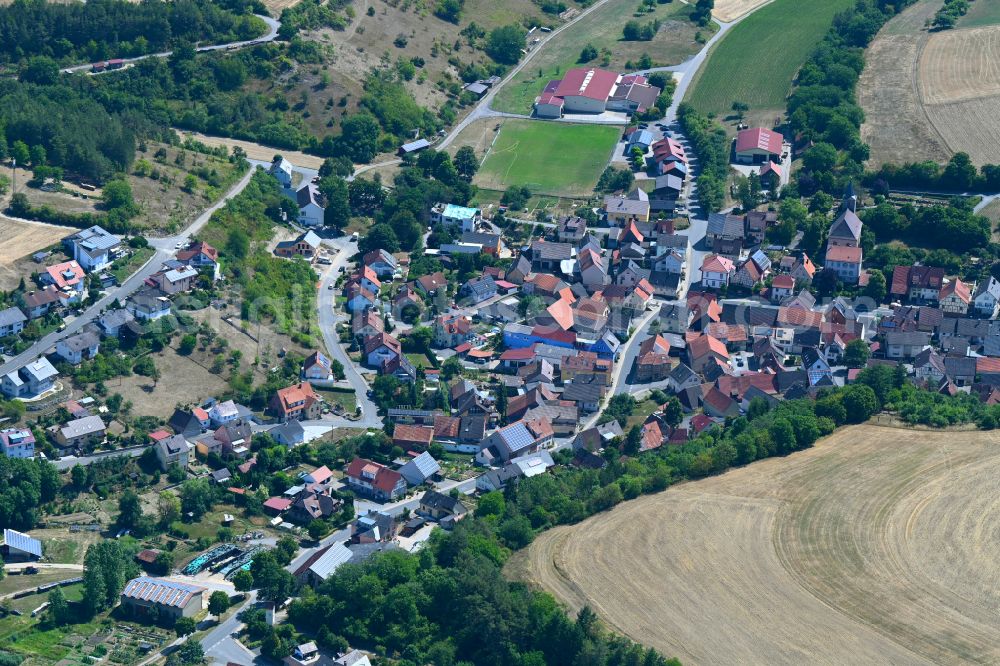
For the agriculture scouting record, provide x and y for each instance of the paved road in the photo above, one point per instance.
(272, 33)
(220, 644)
(411, 503)
(165, 249)
(328, 320)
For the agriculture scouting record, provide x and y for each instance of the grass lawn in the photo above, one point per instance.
(63, 551)
(756, 62)
(17, 583)
(419, 360)
(126, 267)
(981, 14)
(641, 413)
(674, 42)
(549, 157)
(345, 398)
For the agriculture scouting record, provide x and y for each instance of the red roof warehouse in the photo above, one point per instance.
(758, 144)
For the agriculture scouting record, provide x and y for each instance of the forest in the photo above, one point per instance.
(78, 32)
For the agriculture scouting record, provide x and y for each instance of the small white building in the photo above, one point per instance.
(282, 170)
(456, 216)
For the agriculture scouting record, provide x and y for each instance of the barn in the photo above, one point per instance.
(759, 146)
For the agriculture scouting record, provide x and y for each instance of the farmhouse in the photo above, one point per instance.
(758, 146)
(165, 598)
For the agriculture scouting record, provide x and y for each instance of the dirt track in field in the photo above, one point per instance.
(878, 543)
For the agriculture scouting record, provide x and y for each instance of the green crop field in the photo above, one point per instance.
(756, 62)
(549, 157)
(674, 42)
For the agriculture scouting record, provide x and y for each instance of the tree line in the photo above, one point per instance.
(101, 29)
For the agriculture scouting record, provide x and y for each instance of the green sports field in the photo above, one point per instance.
(756, 62)
(549, 157)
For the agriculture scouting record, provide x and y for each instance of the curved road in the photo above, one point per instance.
(272, 24)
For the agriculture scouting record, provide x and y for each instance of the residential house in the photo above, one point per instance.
(451, 330)
(598, 437)
(522, 467)
(112, 322)
(318, 367)
(222, 413)
(802, 269)
(960, 370)
(68, 277)
(845, 261)
(201, 255)
(173, 450)
(905, 344)
(367, 279)
(312, 206)
(929, 367)
(176, 280)
(17, 443)
(672, 261)
(39, 303)
(11, 322)
(282, 170)
(548, 257)
(77, 348)
(986, 301)
(161, 598)
(80, 433)
(716, 271)
(479, 289)
(704, 351)
(782, 287)
(954, 298)
(306, 246)
(816, 366)
(725, 233)
(514, 440)
(94, 248)
(747, 275)
(441, 507)
(623, 209)
(382, 262)
(592, 268)
(318, 567)
(373, 480)
(431, 284)
(359, 299)
(757, 223)
(668, 186)
(422, 468)
(653, 362)
(32, 379)
(289, 433)
(296, 403)
(675, 318)
(148, 305)
(917, 283)
(571, 229)
(719, 405)
(456, 216)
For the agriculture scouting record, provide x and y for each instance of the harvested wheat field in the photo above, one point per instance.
(957, 65)
(20, 241)
(896, 127)
(730, 10)
(877, 546)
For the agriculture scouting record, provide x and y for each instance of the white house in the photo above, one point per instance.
(32, 379)
(146, 306)
(456, 216)
(986, 301)
(93, 248)
(282, 170)
(222, 413)
(77, 348)
(11, 322)
(17, 443)
(311, 206)
(716, 271)
(670, 262)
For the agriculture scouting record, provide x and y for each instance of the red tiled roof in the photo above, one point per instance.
(986, 364)
(958, 288)
(652, 436)
(412, 434)
(844, 253)
(278, 503)
(591, 83)
(297, 393)
(717, 264)
(758, 138)
(447, 426)
(385, 479)
(522, 354)
(783, 282)
(706, 344)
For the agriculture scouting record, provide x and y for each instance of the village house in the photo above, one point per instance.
(39, 303)
(282, 170)
(68, 277)
(954, 298)
(653, 362)
(422, 468)
(571, 229)
(382, 262)
(173, 450)
(148, 305)
(716, 271)
(201, 255)
(845, 261)
(80, 433)
(431, 284)
(176, 280)
(93, 248)
(451, 330)
(317, 367)
(621, 210)
(32, 379)
(986, 302)
(479, 289)
(359, 299)
(365, 324)
(11, 322)
(442, 508)
(514, 440)
(296, 403)
(77, 348)
(725, 233)
(17, 443)
(305, 246)
(905, 344)
(373, 480)
(312, 207)
(451, 215)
